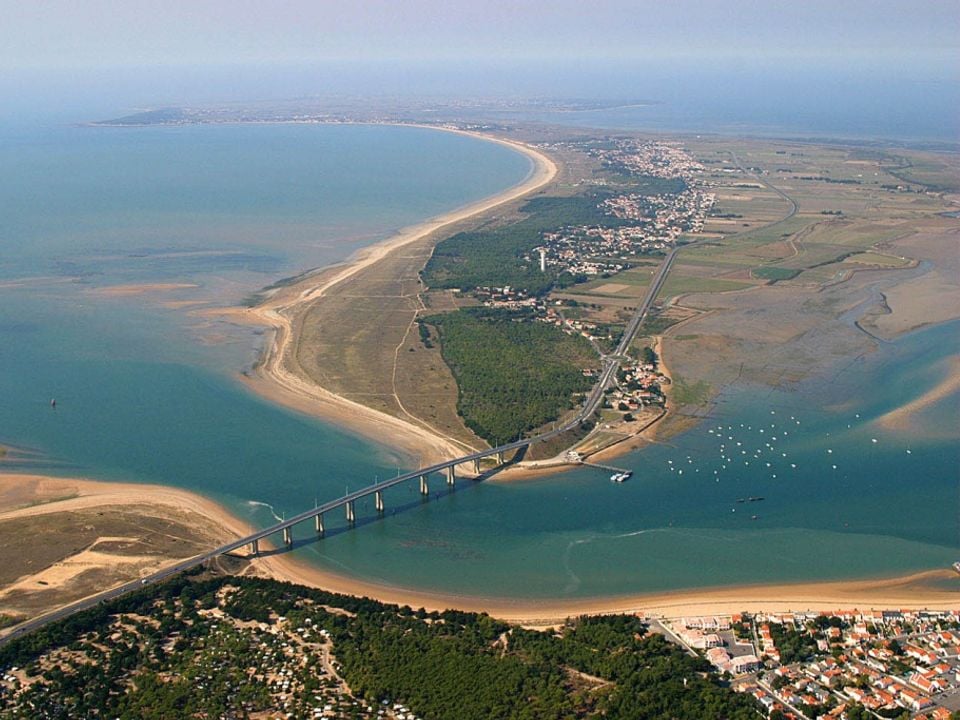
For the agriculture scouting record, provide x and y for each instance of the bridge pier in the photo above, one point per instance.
(501, 457)
(287, 537)
(318, 522)
(378, 501)
(424, 488)
(451, 476)
(351, 517)
(476, 466)
(255, 548)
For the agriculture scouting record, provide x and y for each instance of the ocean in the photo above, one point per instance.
(147, 385)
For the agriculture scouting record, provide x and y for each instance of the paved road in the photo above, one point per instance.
(793, 203)
(610, 364)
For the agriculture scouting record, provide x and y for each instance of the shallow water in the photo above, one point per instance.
(835, 503)
(149, 393)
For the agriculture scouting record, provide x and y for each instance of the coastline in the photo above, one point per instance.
(273, 380)
(901, 418)
(32, 495)
(273, 377)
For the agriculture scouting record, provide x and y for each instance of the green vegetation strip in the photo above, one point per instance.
(775, 273)
(215, 647)
(513, 374)
(494, 258)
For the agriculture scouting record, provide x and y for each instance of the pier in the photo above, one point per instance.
(607, 468)
(499, 455)
(610, 365)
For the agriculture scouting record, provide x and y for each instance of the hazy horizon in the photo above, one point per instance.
(816, 64)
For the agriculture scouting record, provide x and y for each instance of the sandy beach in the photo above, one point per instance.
(35, 495)
(911, 591)
(32, 495)
(274, 378)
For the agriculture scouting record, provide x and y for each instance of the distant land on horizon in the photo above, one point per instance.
(494, 115)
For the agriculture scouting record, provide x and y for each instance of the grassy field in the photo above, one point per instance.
(853, 207)
(689, 392)
(775, 273)
(876, 259)
(85, 551)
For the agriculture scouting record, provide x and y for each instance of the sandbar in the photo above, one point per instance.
(900, 418)
(273, 377)
(141, 289)
(32, 495)
(24, 495)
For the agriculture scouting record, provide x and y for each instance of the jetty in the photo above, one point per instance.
(607, 468)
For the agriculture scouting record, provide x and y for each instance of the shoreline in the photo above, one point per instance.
(278, 383)
(34, 495)
(901, 418)
(273, 377)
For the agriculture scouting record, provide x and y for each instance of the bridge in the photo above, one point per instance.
(347, 503)
(610, 365)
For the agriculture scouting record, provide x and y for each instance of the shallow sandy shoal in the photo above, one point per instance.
(61, 494)
(279, 381)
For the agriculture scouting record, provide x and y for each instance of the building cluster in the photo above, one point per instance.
(648, 158)
(638, 385)
(541, 310)
(884, 663)
(277, 669)
(665, 217)
(645, 223)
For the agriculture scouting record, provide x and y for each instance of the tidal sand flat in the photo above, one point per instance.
(67, 538)
(282, 364)
(141, 398)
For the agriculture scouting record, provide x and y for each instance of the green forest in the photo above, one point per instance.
(494, 258)
(513, 374)
(214, 647)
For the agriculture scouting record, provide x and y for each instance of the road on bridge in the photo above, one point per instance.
(611, 364)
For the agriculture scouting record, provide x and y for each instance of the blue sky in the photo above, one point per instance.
(52, 34)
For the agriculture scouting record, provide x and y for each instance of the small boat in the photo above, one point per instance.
(620, 477)
(755, 499)
(53, 403)
(956, 566)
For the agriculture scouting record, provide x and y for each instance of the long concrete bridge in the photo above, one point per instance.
(316, 516)
(610, 365)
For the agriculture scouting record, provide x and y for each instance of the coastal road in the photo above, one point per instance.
(611, 364)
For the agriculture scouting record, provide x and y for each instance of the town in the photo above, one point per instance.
(839, 665)
(640, 223)
(654, 196)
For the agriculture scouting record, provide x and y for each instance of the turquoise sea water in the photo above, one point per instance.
(148, 392)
